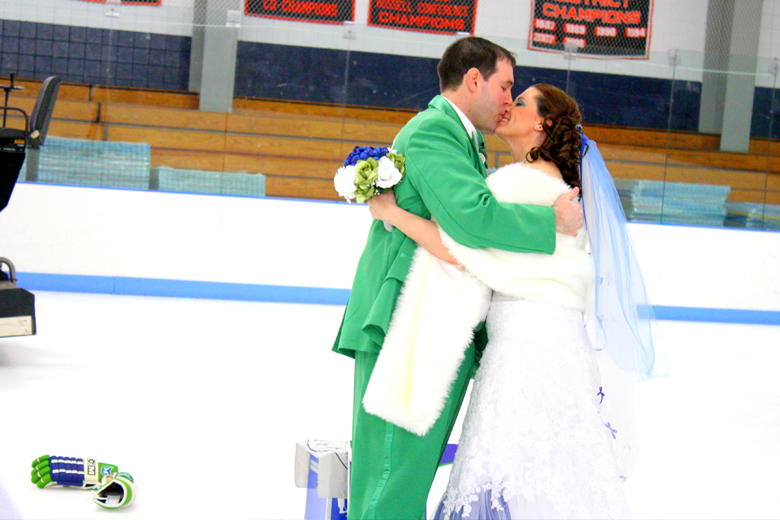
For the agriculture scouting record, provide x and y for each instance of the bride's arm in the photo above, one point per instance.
(423, 231)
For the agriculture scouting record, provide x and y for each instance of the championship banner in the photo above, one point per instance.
(316, 11)
(607, 28)
(434, 16)
(128, 2)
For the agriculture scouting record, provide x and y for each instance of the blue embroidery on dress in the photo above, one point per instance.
(612, 430)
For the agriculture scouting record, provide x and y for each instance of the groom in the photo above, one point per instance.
(392, 469)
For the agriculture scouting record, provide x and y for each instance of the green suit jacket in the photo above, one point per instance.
(445, 179)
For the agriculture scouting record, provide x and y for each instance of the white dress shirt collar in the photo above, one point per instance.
(470, 128)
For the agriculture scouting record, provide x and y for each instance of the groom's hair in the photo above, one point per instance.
(468, 53)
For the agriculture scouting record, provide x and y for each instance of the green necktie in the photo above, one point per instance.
(480, 146)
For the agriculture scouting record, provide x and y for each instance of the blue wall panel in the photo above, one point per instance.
(322, 75)
(287, 72)
(766, 113)
(94, 56)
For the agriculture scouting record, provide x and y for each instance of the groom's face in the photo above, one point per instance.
(494, 97)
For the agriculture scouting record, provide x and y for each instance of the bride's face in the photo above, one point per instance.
(522, 120)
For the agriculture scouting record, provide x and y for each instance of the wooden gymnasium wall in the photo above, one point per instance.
(298, 147)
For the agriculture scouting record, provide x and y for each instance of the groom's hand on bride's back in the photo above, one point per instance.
(568, 213)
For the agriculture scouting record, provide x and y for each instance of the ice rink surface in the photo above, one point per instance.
(203, 401)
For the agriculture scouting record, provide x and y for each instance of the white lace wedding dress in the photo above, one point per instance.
(550, 426)
(534, 444)
(550, 431)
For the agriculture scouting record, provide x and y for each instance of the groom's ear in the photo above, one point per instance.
(473, 78)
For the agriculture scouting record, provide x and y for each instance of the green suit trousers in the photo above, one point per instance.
(396, 467)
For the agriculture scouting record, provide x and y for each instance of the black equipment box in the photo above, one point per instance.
(17, 306)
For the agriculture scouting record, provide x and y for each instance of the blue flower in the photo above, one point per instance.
(368, 170)
(362, 153)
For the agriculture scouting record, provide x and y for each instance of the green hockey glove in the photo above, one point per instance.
(69, 471)
(115, 492)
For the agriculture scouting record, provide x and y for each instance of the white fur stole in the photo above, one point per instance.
(563, 278)
(441, 303)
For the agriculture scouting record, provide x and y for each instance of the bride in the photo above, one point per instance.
(549, 431)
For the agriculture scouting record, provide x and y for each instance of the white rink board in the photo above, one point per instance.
(126, 233)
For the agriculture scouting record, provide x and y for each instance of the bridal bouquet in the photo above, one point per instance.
(368, 170)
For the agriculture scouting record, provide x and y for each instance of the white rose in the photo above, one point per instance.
(387, 174)
(345, 182)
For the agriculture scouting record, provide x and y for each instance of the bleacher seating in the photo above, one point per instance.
(244, 184)
(85, 162)
(297, 147)
(111, 164)
(673, 202)
(752, 215)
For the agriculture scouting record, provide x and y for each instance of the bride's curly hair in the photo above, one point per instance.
(561, 123)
